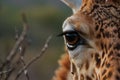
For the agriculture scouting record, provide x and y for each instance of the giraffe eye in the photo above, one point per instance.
(73, 39)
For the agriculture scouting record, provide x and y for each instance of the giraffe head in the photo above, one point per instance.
(92, 38)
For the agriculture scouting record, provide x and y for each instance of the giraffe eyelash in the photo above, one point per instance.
(64, 33)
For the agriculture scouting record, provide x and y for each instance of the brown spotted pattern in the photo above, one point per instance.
(103, 19)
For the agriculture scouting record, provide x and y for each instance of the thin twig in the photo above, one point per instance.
(17, 53)
(35, 58)
(4, 72)
(20, 40)
(6, 64)
(22, 52)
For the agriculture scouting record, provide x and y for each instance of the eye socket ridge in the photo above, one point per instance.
(73, 39)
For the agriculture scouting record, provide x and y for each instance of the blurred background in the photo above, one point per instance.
(45, 17)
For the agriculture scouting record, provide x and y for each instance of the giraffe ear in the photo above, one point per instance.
(73, 4)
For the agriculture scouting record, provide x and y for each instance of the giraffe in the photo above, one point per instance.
(92, 41)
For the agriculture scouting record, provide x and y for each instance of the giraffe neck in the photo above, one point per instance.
(100, 67)
(86, 70)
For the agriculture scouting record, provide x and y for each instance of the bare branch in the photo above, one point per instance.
(20, 40)
(22, 52)
(4, 72)
(35, 58)
(6, 64)
(16, 56)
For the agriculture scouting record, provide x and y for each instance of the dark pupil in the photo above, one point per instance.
(72, 38)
